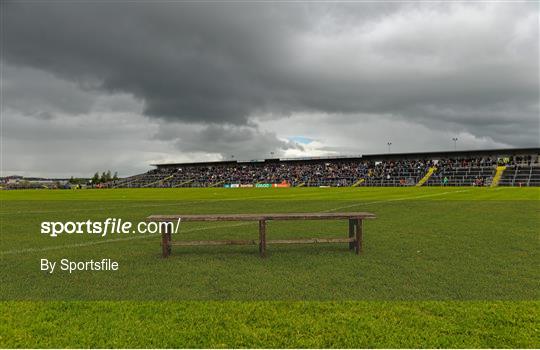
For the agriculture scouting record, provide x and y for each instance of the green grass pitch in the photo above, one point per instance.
(441, 267)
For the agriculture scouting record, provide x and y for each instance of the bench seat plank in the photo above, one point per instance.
(258, 217)
(310, 240)
(255, 242)
(217, 242)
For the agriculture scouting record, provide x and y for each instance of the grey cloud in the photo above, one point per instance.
(243, 142)
(509, 122)
(77, 145)
(45, 136)
(222, 63)
(369, 134)
(186, 62)
(453, 68)
(38, 93)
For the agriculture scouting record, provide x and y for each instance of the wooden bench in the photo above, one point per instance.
(354, 239)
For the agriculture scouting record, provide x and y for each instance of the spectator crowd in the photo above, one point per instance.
(476, 171)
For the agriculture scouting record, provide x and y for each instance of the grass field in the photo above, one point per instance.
(442, 267)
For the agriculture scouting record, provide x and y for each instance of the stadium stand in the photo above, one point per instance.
(521, 171)
(463, 172)
(319, 174)
(466, 168)
(521, 175)
(397, 172)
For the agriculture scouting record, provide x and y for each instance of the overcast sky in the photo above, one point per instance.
(90, 86)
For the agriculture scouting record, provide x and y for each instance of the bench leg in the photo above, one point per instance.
(166, 241)
(351, 233)
(359, 236)
(262, 238)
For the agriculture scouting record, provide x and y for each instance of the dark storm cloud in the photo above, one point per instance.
(216, 79)
(214, 62)
(187, 62)
(36, 93)
(244, 142)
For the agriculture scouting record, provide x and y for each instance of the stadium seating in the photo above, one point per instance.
(521, 175)
(397, 173)
(319, 174)
(340, 172)
(463, 172)
(462, 176)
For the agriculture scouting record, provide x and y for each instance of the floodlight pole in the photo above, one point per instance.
(455, 139)
(389, 144)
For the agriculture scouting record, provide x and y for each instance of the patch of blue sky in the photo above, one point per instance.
(301, 139)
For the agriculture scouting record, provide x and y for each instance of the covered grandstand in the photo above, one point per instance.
(500, 167)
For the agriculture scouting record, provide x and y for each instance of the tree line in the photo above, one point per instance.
(105, 177)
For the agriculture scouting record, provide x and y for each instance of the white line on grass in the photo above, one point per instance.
(182, 203)
(175, 203)
(86, 244)
(99, 209)
(396, 199)
(77, 245)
